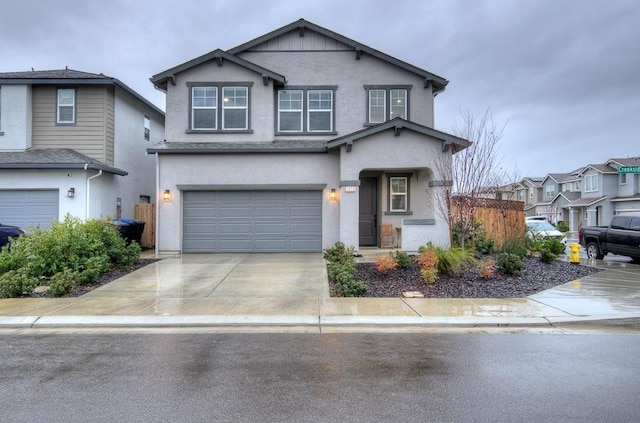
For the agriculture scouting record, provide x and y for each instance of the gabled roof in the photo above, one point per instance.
(161, 79)
(439, 83)
(602, 168)
(628, 161)
(582, 202)
(397, 125)
(70, 76)
(54, 158)
(536, 181)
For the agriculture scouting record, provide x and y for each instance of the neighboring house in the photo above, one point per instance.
(591, 195)
(529, 191)
(73, 142)
(298, 139)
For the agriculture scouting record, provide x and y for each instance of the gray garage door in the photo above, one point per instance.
(29, 208)
(252, 221)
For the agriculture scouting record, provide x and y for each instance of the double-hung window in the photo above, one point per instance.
(590, 183)
(305, 110)
(147, 127)
(399, 193)
(549, 191)
(204, 103)
(219, 107)
(66, 106)
(387, 102)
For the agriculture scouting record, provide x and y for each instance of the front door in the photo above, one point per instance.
(368, 212)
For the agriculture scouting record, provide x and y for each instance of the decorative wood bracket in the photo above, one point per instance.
(427, 82)
(396, 130)
(172, 78)
(265, 80)
(219, 60)
(349, 146)
(301, 31)
(446, 146)
(358, 53)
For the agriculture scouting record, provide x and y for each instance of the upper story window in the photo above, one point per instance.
(147, 127)
(623, 178)
(520, 195)
(387, 102)
(66, 106)
(212, 112)
(306, 110)
(549, 191)
(591, 183)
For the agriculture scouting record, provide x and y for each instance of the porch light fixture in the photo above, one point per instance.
(71, 193)
(166, 195)
(333, 194)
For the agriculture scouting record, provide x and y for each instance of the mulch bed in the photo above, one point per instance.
(535, 277)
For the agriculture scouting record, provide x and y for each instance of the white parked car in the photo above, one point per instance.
(539, 226)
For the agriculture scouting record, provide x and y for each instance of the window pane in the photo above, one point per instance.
(398, 203)
(399, 185)
(290, 121)
(205, 96)
(204, 119)
(235, 119)
(65, 97)
(399, 104)
(377, 109)
(235, 96)
(65, 114)
(290, 100)
(320, 100)
(320, 121)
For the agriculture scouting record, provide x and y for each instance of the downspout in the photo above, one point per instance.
(86, 166)
(158, 195)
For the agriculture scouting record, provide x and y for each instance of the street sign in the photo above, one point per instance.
(629, 169)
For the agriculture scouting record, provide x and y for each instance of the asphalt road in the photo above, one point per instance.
(319, 378)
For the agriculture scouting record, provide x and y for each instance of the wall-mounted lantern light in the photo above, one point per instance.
(71, 193)
(166, 196)
(333, 194)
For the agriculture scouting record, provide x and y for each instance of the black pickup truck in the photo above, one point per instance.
(622, 236)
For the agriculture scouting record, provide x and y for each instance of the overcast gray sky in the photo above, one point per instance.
(563, 75)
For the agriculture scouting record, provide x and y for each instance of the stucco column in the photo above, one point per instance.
(349, 216)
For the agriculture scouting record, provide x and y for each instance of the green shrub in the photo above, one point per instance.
(514, 246)
(14, 283)
(553, 245)
(453, 261)
(86, 248)
(547, 256)
(341, 269)
(484, 246)
(402, 259)
(563, 226)
(62, 283)
(509, 263)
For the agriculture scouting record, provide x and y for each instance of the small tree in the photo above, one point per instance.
(474, 171)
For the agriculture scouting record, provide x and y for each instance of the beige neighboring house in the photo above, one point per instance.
(74, 142)
(295, 140)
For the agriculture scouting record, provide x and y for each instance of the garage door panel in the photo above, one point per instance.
(253, 221)
(29, 208)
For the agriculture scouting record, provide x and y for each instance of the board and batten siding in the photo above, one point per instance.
(93, 133)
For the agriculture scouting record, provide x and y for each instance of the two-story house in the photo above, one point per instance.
(557, 190)
(295, 140)
(74, 142)
(528, 190)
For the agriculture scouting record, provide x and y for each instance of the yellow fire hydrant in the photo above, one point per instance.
(575, 253)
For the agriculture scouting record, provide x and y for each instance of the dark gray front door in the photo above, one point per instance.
(368, 212)
(252, 221)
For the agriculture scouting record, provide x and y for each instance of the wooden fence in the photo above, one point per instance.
(501, 219)
(147, 214)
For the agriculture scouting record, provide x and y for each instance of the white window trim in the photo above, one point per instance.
(73, 107)
(384, 105)
(310, 111)
(194, 107)
(301, 111)
(391, 106)
(147, 128)
(592, 179)
(245, 108)
(393, 194)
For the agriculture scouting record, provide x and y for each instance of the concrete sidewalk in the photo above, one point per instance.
(289, 293)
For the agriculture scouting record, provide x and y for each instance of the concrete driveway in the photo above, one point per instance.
(224, 275)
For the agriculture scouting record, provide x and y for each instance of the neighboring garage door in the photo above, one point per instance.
(29, 208)
(252, 221)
